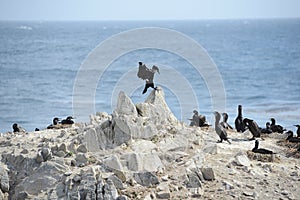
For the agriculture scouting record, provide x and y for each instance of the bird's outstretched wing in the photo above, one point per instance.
(143, 72)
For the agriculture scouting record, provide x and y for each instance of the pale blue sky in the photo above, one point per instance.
(146, 10)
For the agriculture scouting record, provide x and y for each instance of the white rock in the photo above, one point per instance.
(141, 146)
(113, 162)
(143, 162)
(242, 160)
(125, 105)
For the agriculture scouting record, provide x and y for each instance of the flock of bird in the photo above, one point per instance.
(241, 125)
(57, 123)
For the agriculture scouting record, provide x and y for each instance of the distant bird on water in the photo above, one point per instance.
(253, 127)
(224, 123)
(261, 150)
(275, 127)
(17, 128)
(239, 124)
(68, 120)
(219, 129)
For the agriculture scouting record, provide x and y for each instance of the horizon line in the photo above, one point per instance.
(191, 19)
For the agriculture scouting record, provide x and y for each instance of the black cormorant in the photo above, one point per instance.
(266, 130)
(260, 150)
(275, 127)
(239, 124)
(224, 123)
(219, 129)
(68, 120)
(253, 127)
(291, 137)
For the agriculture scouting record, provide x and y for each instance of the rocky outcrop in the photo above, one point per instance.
(128, 122)
(107, 159)
(140, 152)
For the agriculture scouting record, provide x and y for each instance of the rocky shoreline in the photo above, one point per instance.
(143, 152)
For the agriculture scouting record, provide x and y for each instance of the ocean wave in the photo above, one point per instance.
(23, 27)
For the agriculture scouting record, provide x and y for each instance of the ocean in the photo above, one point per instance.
(258, 60)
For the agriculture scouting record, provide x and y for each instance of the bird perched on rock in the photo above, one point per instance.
(266, 130)
(219, 129)
(298, 130)
(276, 127)
(253, 127)
(198, 120)
(224, 123)
(54, 124)
(68, 120)
(291, 137)
(261, 150)
(17, 128)
(239, 124)
(148, 75)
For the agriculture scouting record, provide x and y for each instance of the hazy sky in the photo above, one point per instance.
(142, 9)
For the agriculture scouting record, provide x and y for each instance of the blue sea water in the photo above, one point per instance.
(259, 61)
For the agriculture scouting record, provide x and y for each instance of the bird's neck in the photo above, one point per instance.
(240, 113)
(217, 122)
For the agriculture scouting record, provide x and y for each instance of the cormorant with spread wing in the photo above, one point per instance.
(147, 74)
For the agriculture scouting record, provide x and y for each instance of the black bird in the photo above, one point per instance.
(239, 124)
(36, 129)
(253, 127)
(275, 127)
(298, 130)
(55, 122)
(224, 123)
(219, 129)
(17, 128)
(68, 120)
(260, 150)
(198, 120)
(195, 121)
(291, 138)
(266, 130)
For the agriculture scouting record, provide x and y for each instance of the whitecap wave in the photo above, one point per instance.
(25, 28)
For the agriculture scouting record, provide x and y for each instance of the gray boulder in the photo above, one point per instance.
(208, 174)
(147, 179)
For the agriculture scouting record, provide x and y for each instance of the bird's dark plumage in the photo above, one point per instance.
(266, 130)
(291, 138)
(260, 150)
(54, 124)
(239, 124)
(224, 123)
(253, 127)
(17, 128)
(198, 120)
(275, 127)
(68, 120)
(219, 129)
